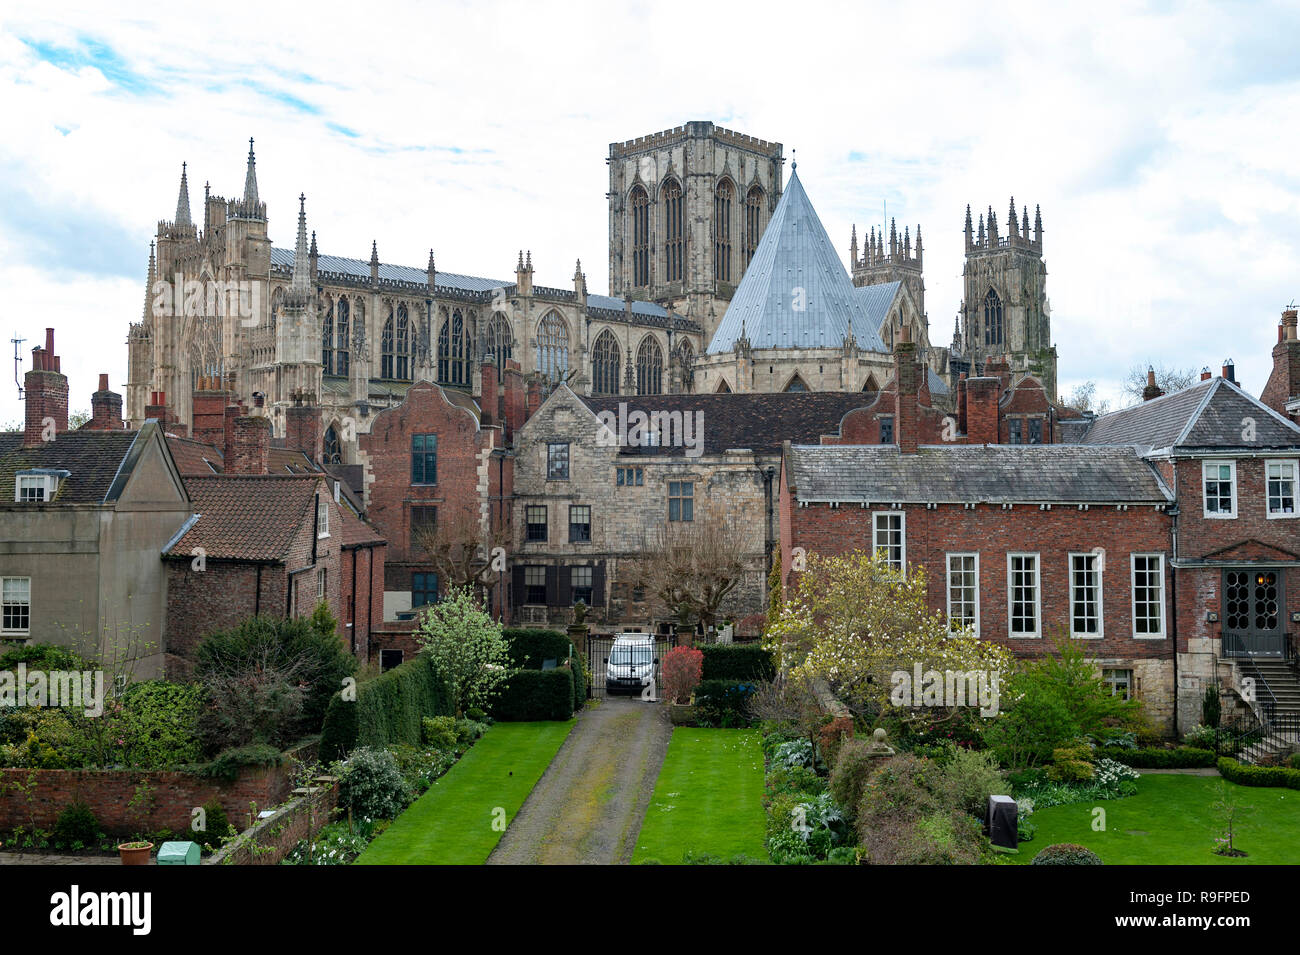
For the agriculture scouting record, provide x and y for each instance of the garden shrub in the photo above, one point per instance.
(680, 671)
(158, 724)
(44, 738)
(467, 648)
(420, 766)
(42, 656)
(76, 827)
(229, 762)
(798, 753)
(1070, 764)
(967, 778)
(1246, 775)
(831, 737)
(850, 773)
(388, 709)
(270, 679)
(794, 780)
(724, 703)
(528, 647)
(1066, 853)
(440, 731)
(745, 662)
(216, 826)
(579, 674)
(535, 695)
(1184, 757)
(1294, 761)
(942, 838)
(371, 784)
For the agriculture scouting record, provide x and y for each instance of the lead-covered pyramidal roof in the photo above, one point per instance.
(796, 292)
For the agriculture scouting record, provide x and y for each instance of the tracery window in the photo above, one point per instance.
(649, 367)
(723, 199)
(605, 365)
(640, 237)
(674, 231)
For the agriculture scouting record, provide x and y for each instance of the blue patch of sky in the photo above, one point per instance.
(343, 130)
(89, 52)
(66, 238)
(283, 97)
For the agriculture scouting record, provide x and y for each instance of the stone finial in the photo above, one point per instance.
(250, 177)
(878, 746)
(183, 201)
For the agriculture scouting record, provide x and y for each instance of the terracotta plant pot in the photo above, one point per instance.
(133, 853)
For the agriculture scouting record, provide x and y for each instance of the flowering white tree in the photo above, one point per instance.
(467, 648)
(853, 621)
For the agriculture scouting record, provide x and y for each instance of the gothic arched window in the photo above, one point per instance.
(796, 384)
(386, 348)
(500, 340)
(674, 230)
(327, 341)
(341, 337)
(605, 365)
(722, 202)
(992, 319)
(333, 451)
(753, 221)
(640, 237)
(403, 370)
(649, 367)
(453, 350)
(553, 348)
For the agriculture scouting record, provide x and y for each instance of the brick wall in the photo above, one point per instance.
(166, 798)
(200, 602)
(1251, 535)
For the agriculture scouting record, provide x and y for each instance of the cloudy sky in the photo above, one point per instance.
(1159, 139)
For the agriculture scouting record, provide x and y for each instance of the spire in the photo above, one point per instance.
(432, 271)
(918, 244)
(148, 287)
(907, 242)
(520, 266)
(1038, 225)
(313, 251)
(374, 261)
(893, 239)
(1012, 224)
(853, 247)
(528, 262)
(250, 177)
(871, 246)
(1024, 221)
(183, 201)
(981, 232)
(301, 280)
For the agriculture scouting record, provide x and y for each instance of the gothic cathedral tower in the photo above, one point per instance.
(687, 207)
(1004, 308)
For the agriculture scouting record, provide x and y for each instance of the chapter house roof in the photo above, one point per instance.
(796, 293)
(1031, 474)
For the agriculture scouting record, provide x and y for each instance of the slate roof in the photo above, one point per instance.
(1210, 414)
(937, 385)
(246, 517)
(616, 304)
(360, 268)
(760, 422)
(1031, 474)
(94, 459)
(795, 252)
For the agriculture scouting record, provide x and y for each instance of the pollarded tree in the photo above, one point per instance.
(466, 647)
(855, 622)
(691, 567)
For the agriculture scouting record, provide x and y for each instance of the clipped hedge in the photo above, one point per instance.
(388, 709)
(536, 695)
(529, 647)
(724, 702)
(1246, 775)
(737, 661)
(1184, 757)
(579, 674)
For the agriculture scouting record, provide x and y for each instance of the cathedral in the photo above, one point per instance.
(721, 277)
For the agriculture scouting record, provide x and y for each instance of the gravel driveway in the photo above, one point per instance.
(588, 807)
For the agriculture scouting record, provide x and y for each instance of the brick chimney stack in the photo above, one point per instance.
(105, 409)
(534, 397)
(982, 409)
(208, 420)
(490, 393)
(1284, 381)
(515, 408)
(907, 373)
(45, 390)
(1206, 374)
(1152, 390)
(248, 442)
(302, 430)
(1229, 370)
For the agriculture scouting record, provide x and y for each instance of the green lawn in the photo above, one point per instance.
(1169, 822)
(709, 798)
(451, 824)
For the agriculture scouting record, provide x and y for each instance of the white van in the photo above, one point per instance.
(630, 665)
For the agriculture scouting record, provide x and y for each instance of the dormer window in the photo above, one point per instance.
(37, 486)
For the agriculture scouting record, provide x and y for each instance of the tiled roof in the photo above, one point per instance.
(760, 422)
(795, 292)
(1068, 474)
(1209, 414)
(246, 517)
(356, 532)
(197, 458)
(94, 459)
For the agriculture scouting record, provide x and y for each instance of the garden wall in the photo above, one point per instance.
(268, 842)
(36, 796)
